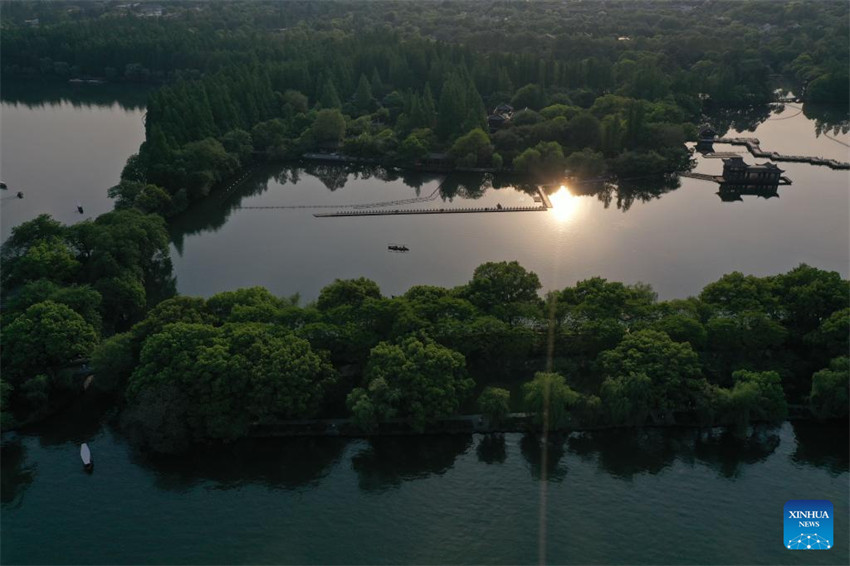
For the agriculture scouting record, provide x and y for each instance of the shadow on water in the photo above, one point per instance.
(823, 446)
(728, 453)
(627, 453)
(388, 461)
(289, 463)
(38, 94)
(16, 475)
(739, 119)
(491, 449)
(466, 186)
(532, 448)
(829, 119)
(79, 422)
(210, 214)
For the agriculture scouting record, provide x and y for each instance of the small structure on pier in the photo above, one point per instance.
(706, 139)
(736, 171)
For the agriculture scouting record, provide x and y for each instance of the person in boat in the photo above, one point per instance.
(20, 194)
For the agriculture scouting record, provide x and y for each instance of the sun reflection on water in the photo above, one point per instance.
(564, 204)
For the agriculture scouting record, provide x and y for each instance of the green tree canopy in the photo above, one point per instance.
(650, 359)
(829, 395)
(230, 376)
(44, 339)
(472, 149)
(329, 126)
(495, 404)
(550, 399)
(415, 380)
(496, 287)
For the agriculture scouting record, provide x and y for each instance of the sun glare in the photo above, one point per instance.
(563, 204)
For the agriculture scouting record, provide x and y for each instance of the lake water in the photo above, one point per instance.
(639, 497)
(677, 242)
(649, 497)
(65, 146)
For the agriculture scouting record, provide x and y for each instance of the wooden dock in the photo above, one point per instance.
(544, 198)
(783, 180)
(546, 204)
(752, 145)
(399, 212)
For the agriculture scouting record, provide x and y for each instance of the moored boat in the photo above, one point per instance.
(85, 456)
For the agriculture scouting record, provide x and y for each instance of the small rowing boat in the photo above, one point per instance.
(85, 456)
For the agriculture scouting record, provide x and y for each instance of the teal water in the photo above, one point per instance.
(647, 497)
(641, 497)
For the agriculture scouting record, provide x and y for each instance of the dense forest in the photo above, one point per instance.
(599, 89)
(595, 88)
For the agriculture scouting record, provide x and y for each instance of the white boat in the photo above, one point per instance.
(85, 456)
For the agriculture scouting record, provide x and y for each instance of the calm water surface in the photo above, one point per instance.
(648, 497)
(677, 241)
(627, 497)
(62, 146)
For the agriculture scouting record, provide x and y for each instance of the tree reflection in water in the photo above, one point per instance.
(388, 461)
(626, 453)
(728, 452)
(465, 185)
(532, 448)
(491, 449)
(36, 94)
(211, 213)
(829, 119)
(288, 463)
(15, 474)
(737, 119)
(817, 443)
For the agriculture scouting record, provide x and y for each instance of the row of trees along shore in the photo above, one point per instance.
(195, 370)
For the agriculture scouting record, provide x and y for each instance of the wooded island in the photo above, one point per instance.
(600, 89)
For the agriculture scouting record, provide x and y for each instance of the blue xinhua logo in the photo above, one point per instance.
(808, 524)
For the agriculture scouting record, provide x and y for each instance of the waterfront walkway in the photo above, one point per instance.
(464, 210)
(546, 204)
(783, 180)
(752, 145)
